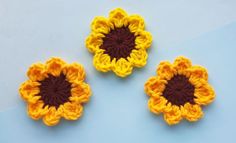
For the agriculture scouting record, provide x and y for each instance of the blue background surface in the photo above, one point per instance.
(203, 31)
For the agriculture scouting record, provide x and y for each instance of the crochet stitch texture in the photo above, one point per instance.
(118, 42)
(179, 90)
(54, 90)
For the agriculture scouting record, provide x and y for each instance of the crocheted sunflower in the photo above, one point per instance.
(118, 42)
(179, 91)
(55, 90)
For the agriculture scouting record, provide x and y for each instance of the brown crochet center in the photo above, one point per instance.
(55, 90)
(119, 43)
(179, 91)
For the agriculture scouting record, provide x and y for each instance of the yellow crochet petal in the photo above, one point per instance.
(80, 92)
(94, 41)
(168, 107)
(53, 116)
(122, 67)
(191, 112)
(36, 110)
(74, 72)
(101, 25)
(154, 86)
(181, 64)
(28, 91)
(102, 62)
(138, 57)
(54, 66)
(37, 72)
(198, 72)
(136, 23)
(72, 111)
(165, 70)
(173, 116)
(118, 17)
(143, 40)
(157, 105)
(205, 94)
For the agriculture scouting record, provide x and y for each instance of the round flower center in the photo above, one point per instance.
(55, 91)
(119, 43)
(179, 91)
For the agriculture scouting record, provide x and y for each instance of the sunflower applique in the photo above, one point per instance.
(54, 90)
(118, 42)
(179, 90)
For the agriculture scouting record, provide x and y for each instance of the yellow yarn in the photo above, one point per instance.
(197, 75)
(80, 91)
(102, 25)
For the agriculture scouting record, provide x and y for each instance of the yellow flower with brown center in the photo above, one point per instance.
(119, 42)
(54, 90)
(179, 90)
